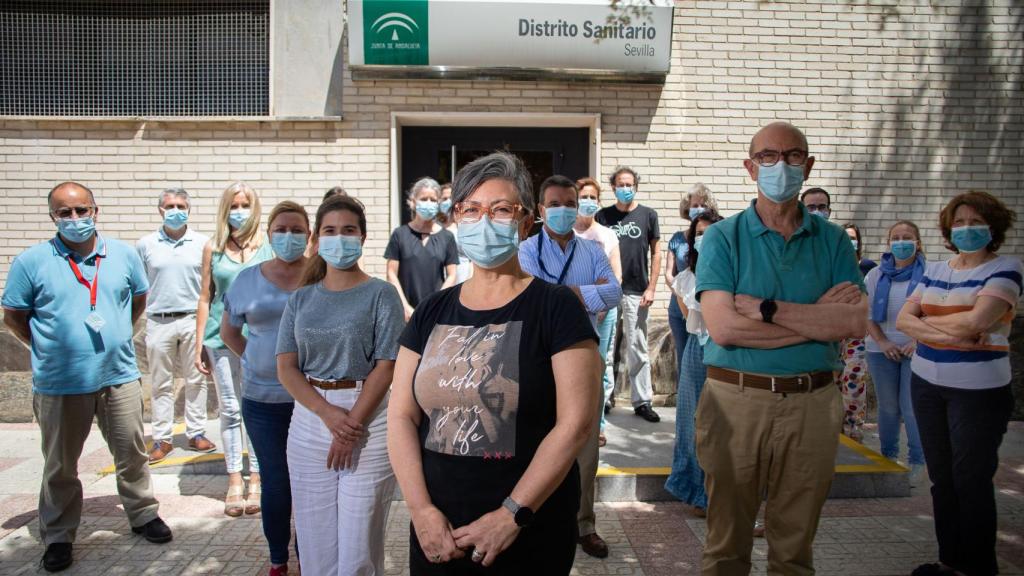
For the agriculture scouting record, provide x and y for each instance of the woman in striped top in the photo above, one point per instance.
(960, 315)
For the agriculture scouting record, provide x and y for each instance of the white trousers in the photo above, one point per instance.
(170, 348)
(340, 515)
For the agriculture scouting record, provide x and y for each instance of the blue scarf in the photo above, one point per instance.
(890, 274)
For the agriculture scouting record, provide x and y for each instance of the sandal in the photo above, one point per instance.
(602, 440)
(252, 501)
(234, 504)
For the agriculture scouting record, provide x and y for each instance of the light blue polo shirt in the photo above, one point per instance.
(741, 255)
(173, 268)
(67, 356)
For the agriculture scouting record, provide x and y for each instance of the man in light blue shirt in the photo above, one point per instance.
(173, 258)
(73, 300)
(557, 255)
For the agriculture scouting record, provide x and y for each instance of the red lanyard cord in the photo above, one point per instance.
(81, 280)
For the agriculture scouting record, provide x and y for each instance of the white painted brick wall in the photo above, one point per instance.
(904, 103)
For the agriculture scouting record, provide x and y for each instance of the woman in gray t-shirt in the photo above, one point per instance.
(336, 352)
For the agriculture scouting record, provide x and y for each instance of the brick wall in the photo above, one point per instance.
(904, 103)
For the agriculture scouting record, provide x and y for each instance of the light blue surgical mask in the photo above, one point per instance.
(970, 239)
(76, 229)
(589, 207)
(560, 219)
(427, 209)
(856, 245)
(822, 213)
(288, 246)
(625, 194)
(696, 211)
(175, 218)
(238, 217)
(903, 249)
(445, 206)
(489, 244)
(341, 252)
(697, 242)
(780, 182)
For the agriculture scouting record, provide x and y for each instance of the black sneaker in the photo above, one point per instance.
(156, 531)
(647, 413)
(607, 408)
(57, 557)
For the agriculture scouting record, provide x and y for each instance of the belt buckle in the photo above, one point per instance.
(773, 383)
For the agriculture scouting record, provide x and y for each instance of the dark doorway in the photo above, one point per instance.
(435, 151)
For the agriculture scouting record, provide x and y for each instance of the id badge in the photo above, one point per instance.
(95, 322)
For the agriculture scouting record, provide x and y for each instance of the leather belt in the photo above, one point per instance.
(778, 384)
(332, 384)
(171, 314)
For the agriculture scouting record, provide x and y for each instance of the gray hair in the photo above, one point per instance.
(176, 192)
(700, 191)
(495, 166)
(424, 183)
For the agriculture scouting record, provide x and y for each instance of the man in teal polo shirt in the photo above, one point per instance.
(73, 300)
(779, 288)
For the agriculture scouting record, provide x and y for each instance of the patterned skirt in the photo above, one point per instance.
(853, 385)
(686, 482)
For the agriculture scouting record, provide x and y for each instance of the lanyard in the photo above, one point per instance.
(81, 280)
(540, 259)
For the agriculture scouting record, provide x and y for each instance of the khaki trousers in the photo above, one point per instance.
(171, 347)
(65, 422)
(753, 443)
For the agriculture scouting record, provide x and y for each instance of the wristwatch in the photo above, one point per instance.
(768, 310)
(523, 516)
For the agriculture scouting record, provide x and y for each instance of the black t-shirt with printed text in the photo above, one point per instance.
(635, 230)
(487, 392)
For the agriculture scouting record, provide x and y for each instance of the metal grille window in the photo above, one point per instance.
(134, 58)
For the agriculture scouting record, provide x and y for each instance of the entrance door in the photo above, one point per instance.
(439, 152)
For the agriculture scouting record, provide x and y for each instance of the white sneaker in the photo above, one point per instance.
(918, 475)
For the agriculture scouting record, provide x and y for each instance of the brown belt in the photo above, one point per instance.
(332, 384)
(780, 384)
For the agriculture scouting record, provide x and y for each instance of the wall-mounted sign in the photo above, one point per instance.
(454, 38)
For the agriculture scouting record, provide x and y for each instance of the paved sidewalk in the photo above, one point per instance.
(857, 537)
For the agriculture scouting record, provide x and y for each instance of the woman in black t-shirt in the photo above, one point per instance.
(486, 416)
(421, 255)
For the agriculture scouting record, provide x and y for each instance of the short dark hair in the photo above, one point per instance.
(998, 217)
(624, 170)
(335, 191)
(828, 198)
(49, 197)
(556, 180)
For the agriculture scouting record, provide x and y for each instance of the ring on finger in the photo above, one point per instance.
(477, 556)
(436, 558)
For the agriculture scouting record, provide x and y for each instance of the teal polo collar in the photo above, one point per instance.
(753, 222)
(63, 251)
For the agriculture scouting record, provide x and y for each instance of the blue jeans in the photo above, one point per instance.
(268, 431)
(892, 386)
(677, 323)
(606, 332)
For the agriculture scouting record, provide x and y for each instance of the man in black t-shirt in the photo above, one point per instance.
(637, 229)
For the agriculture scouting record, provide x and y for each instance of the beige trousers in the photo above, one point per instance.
(65, 422)
(753, 443)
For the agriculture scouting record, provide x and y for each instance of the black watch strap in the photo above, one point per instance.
(768, 309)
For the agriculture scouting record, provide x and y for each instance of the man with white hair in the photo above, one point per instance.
(173, 257)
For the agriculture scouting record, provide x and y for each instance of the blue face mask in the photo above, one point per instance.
(589, 207)
(76, 230)
(855, 244)
(175, 218)
(427, 209)
(341, 252)
(903, 249)
(489, 244)
(696, 211)
(823, 214)
(446, 206)
(970, 239)
(238, 218)
(288, 246)
(697, 242)
(780, 182)
(560, 219)
(625, 194)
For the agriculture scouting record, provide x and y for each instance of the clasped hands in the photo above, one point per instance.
(842, 293)
(345, 431)
(485, 538)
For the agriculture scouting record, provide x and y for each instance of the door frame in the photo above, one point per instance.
(483, 120)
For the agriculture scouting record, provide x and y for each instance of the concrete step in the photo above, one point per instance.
(634, 464)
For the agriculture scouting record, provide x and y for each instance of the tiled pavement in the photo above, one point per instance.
(856, 537)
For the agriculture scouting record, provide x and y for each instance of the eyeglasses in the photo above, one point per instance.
(502, 211)
(793, 157)
(80, 211)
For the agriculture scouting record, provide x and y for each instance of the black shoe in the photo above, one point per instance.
(932, 570)
(647, 413)
(607, 408)
(156, 531)
(57, 557)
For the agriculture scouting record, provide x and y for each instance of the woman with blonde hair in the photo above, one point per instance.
(237, 244)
